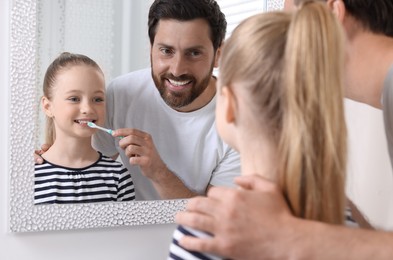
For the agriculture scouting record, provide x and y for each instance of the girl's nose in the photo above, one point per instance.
(85, 107)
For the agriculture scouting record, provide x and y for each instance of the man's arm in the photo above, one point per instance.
(168, 185)
(323, 241)
(255, 223)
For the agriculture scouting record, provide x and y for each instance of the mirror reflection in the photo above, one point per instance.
(164, 114)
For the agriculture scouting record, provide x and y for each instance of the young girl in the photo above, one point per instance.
(73, 172)
(280, 104)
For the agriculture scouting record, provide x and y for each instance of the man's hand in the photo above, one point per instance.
(37, 153)
(140, 149)
(246, 223)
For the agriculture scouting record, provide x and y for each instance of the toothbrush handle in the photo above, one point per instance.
(110, 131)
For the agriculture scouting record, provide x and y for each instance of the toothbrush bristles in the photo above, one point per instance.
(92, 125)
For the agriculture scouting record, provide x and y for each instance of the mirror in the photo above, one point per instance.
(29, 57)
(24, 125)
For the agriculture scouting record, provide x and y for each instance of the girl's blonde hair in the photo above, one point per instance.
(292, 65)
(64, 61)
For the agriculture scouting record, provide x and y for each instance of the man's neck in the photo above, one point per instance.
(370, 57)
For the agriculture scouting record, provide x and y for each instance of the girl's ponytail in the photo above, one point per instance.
(313, 140)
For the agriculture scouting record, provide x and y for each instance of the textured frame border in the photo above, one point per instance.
(24, 216)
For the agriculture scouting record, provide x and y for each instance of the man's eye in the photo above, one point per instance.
(166, 51)
(194, 53)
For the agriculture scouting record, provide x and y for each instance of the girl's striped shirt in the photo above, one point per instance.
(105, 180)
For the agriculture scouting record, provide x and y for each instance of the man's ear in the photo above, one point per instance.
(338, 8)
(217, 58)
(230, 105)
(46, 106)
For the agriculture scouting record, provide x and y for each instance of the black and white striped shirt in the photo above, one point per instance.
(177, 252)
(105, 180)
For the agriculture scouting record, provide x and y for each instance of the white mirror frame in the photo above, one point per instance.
(24, 216)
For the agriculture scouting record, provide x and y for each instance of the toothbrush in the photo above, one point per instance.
(92, 125)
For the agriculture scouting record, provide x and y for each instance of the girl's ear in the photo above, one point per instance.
(230, 105)
(46, 106)
(338, 8)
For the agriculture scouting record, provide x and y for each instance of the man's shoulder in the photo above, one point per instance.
(138, 77)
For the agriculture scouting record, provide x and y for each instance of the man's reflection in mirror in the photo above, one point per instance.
(166, 112)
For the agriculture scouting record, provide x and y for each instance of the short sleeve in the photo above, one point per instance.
(227, 169)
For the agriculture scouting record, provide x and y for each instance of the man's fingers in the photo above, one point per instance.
(255, 182)
(130, 131)
(199, 214)
(37, 158)
(37, 153)
(123, 132)
(195, 220)
(132, 140)
(44, 148)
(202, 205)
(197, 244)
(219, 192)
(133, 151)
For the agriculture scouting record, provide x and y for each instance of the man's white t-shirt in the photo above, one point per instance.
(188, 143)
(387, 107)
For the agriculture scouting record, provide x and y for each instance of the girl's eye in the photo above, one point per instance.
(73, 99)
(98, 100)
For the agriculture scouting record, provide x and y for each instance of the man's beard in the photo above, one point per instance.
(183, 98)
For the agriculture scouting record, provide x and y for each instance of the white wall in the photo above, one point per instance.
(141, 242)
(370, 181)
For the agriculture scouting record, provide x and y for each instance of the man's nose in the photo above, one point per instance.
(179, 65)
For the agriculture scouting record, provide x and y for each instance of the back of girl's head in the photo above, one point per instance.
(63, 62)
(291, 65)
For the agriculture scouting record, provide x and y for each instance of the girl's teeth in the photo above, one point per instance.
(82, 121)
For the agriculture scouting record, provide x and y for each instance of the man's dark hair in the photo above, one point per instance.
(375, 15)
(186, 10)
